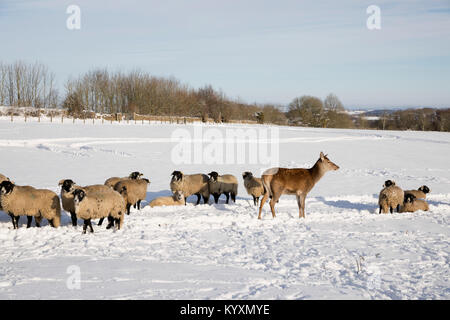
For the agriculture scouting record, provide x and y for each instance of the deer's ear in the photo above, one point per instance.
(321, 155)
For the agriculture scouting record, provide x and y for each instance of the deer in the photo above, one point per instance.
(296, 181)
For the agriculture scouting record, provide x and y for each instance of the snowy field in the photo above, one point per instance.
(343, 249)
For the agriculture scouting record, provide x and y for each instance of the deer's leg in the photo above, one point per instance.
(273, 201)
(303, 205)
(263, 201)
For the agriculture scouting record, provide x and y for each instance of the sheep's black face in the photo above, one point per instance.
(177, 175)
(424, 189)
(6, 187)
(67, 185)
(178, 195)
(213, 176)
(409, 198)
(79, 195)
(388, 183)
(247, 175)
(123, 192)
(135, 175)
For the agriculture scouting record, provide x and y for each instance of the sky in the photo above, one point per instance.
(253, 50)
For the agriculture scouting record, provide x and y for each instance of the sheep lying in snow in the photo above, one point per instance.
(67, 188)
(411, 204)
(190, 184)
(27, 201)
(177, 199)
(420, 193)
(253, 186)
(111, 182)
(390, 197)
(136, 191)
(101, 205)
(226, 184)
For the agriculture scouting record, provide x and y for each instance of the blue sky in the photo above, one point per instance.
(257, 51)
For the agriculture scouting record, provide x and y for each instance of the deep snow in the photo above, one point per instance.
(343, 249)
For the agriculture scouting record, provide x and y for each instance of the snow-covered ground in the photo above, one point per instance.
(343, 249)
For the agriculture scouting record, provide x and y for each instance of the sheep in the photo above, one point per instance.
(111, 182)
(254, 186)
(67, 187)
(391, 196)
(420, 193)
(225, 184)
(136, 191)
(27, 201)
(190, 184)
(3, 178)
(177, 199)
(109, 204)
(411, 204)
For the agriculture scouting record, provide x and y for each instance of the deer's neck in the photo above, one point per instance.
(317, 172)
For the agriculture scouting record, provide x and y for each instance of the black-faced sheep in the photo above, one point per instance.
(67, 188)
(226, 184)
(3, 178)
(111, 182)
(412, 204)
(190, 184)
(391, 196)
(27, 201)
(254, 186)
(177, 199)
(136, 191)
(420, 193)
(102, 205)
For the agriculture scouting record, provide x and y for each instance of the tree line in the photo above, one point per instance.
(27, 85)
(136, 91)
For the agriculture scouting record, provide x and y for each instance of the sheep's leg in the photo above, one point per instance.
(391, 209)
(216, 198)
(139, 204)
(111, 222)
(398, 208)
(379, 211)
(198, 198)
(29, 220)
(90, 226)
(13, 219)
(73, 216)
(51, 223)
(101, 221)
(117, 222)
(128, 208)
(17, 221)
(233, 197)
(227, 194)
(134, 205)
(205, 199)
(85, 226)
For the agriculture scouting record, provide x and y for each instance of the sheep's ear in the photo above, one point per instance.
(145, 179)
(60, 183)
